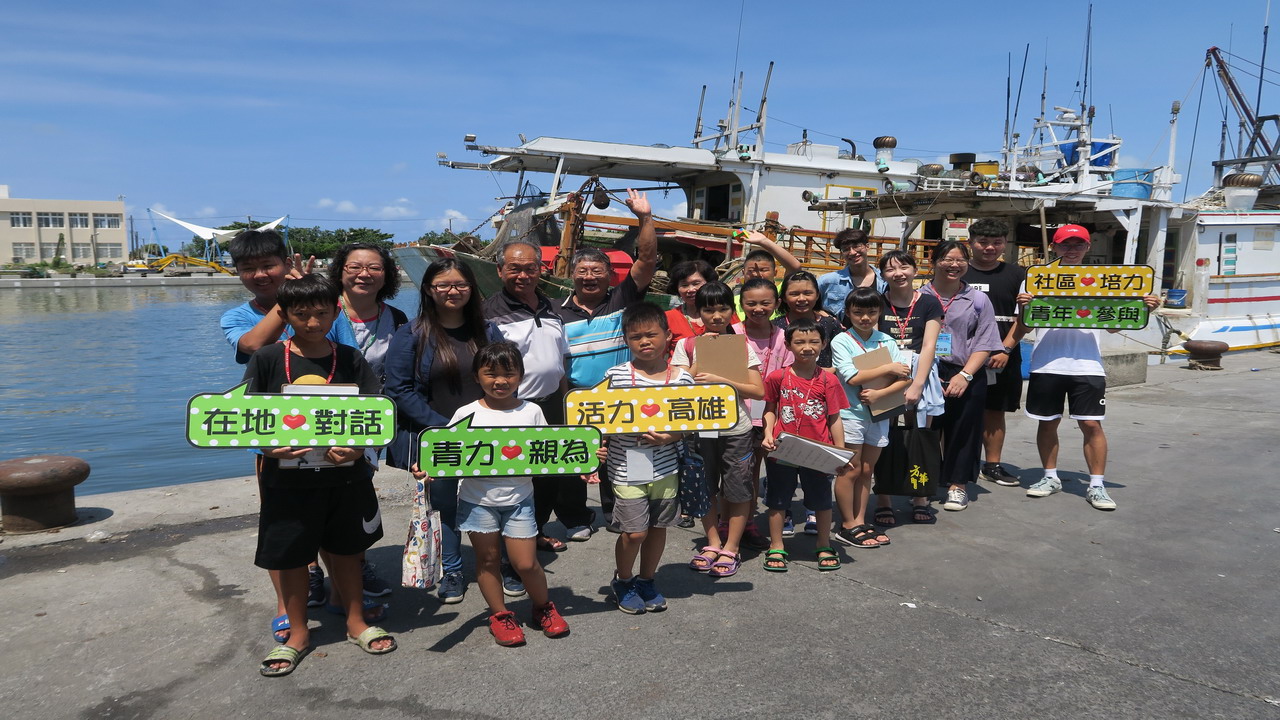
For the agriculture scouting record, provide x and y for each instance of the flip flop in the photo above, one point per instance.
(293, 656)
(830, 564)
(781, 556)
(371, 635)
(279, 629)
(702, 563)
(722, 569)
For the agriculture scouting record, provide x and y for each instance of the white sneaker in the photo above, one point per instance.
(1098, 497)
(957, 499)
(1045, 487)
(581, 533)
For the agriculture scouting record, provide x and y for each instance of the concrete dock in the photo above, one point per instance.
(1017, 607)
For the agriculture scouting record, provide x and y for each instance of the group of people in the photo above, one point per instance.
(510, 359)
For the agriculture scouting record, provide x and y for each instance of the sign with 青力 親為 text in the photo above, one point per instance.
(463, 449)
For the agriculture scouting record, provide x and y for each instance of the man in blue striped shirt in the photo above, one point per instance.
(592, 317)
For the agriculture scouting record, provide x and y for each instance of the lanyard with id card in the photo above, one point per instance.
(944, 345)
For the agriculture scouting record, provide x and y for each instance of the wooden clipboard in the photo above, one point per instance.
(723, 355)
(891, 404)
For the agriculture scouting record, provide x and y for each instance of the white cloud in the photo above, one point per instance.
(459, 219)
(160, 208)
(391, 212)
(207, 211)
(323, 203)
(346, 206)
(398, 168)
(678, 210)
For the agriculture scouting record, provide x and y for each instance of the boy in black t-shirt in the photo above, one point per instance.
(1001, 281)
(330, 508)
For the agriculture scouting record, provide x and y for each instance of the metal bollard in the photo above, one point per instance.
(38, 492)
(1205, 354)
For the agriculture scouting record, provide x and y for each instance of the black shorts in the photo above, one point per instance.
(1006, 392)
(1086, 396)
(294, 523)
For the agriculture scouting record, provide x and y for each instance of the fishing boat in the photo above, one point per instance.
(1213, 257)
(726, 178)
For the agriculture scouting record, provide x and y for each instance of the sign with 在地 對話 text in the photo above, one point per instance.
(237, 419)
(1107, 297)
(463, 450)
(653, 408)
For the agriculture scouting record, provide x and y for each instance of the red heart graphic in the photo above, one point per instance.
(293, 422)
(649, 410)
(1083, 312)
(511, 452)
(1086, 281)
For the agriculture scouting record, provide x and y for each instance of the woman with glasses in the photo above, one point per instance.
(429, 377)
(369, 277)
(969, 336)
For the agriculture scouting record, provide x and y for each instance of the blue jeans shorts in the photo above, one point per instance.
(513, 521)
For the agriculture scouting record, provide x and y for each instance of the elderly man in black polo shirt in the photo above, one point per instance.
(527, 318)
(592, 317)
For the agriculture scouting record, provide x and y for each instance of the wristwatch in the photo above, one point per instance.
(967, 376)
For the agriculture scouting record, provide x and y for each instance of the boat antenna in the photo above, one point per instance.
(1262, 69)
(1044, 90)
(1085, 97)
(1008, 93)
(697, 125)
(1017, 103)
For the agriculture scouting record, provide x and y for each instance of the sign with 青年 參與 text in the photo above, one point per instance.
(1105, 297)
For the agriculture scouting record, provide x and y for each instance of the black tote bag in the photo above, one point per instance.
(912, 463)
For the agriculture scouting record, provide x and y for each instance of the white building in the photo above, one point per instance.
(84, 232)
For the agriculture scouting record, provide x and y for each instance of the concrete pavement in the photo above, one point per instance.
(1019, 607)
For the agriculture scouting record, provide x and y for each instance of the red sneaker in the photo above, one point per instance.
(505, 630)
(548, 618)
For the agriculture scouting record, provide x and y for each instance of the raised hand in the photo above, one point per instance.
(638, 203)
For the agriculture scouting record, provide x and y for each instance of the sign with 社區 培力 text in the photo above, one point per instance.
(1088, 296)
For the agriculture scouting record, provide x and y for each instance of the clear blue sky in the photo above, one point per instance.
(333, 112)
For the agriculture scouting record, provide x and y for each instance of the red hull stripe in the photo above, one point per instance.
(1244, 299)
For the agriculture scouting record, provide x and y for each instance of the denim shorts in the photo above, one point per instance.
(865, 432)
(513, 521)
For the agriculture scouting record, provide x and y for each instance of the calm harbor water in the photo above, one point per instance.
(104, 374)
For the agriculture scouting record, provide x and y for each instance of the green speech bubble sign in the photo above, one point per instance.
(1086, 313)
(461, 450)
(237, 419)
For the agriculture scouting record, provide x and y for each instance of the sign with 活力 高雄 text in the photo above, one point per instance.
(237, 419)
(653, 408)
(463, 449)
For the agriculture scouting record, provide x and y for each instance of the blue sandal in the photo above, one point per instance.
(280, 629)
(368, 606)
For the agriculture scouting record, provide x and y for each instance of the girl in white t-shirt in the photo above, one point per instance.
(498, 510)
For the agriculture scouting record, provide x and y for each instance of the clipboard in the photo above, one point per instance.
(723, 355)
(890, 405)
(315, 459)
(803, 452)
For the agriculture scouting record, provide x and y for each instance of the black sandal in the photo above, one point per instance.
(922, 515)
(885, 518)
(862, 533)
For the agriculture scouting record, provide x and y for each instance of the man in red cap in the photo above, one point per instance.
(1067, 364)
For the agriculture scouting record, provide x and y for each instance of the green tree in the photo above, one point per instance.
(323, 244)
(437, 237)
